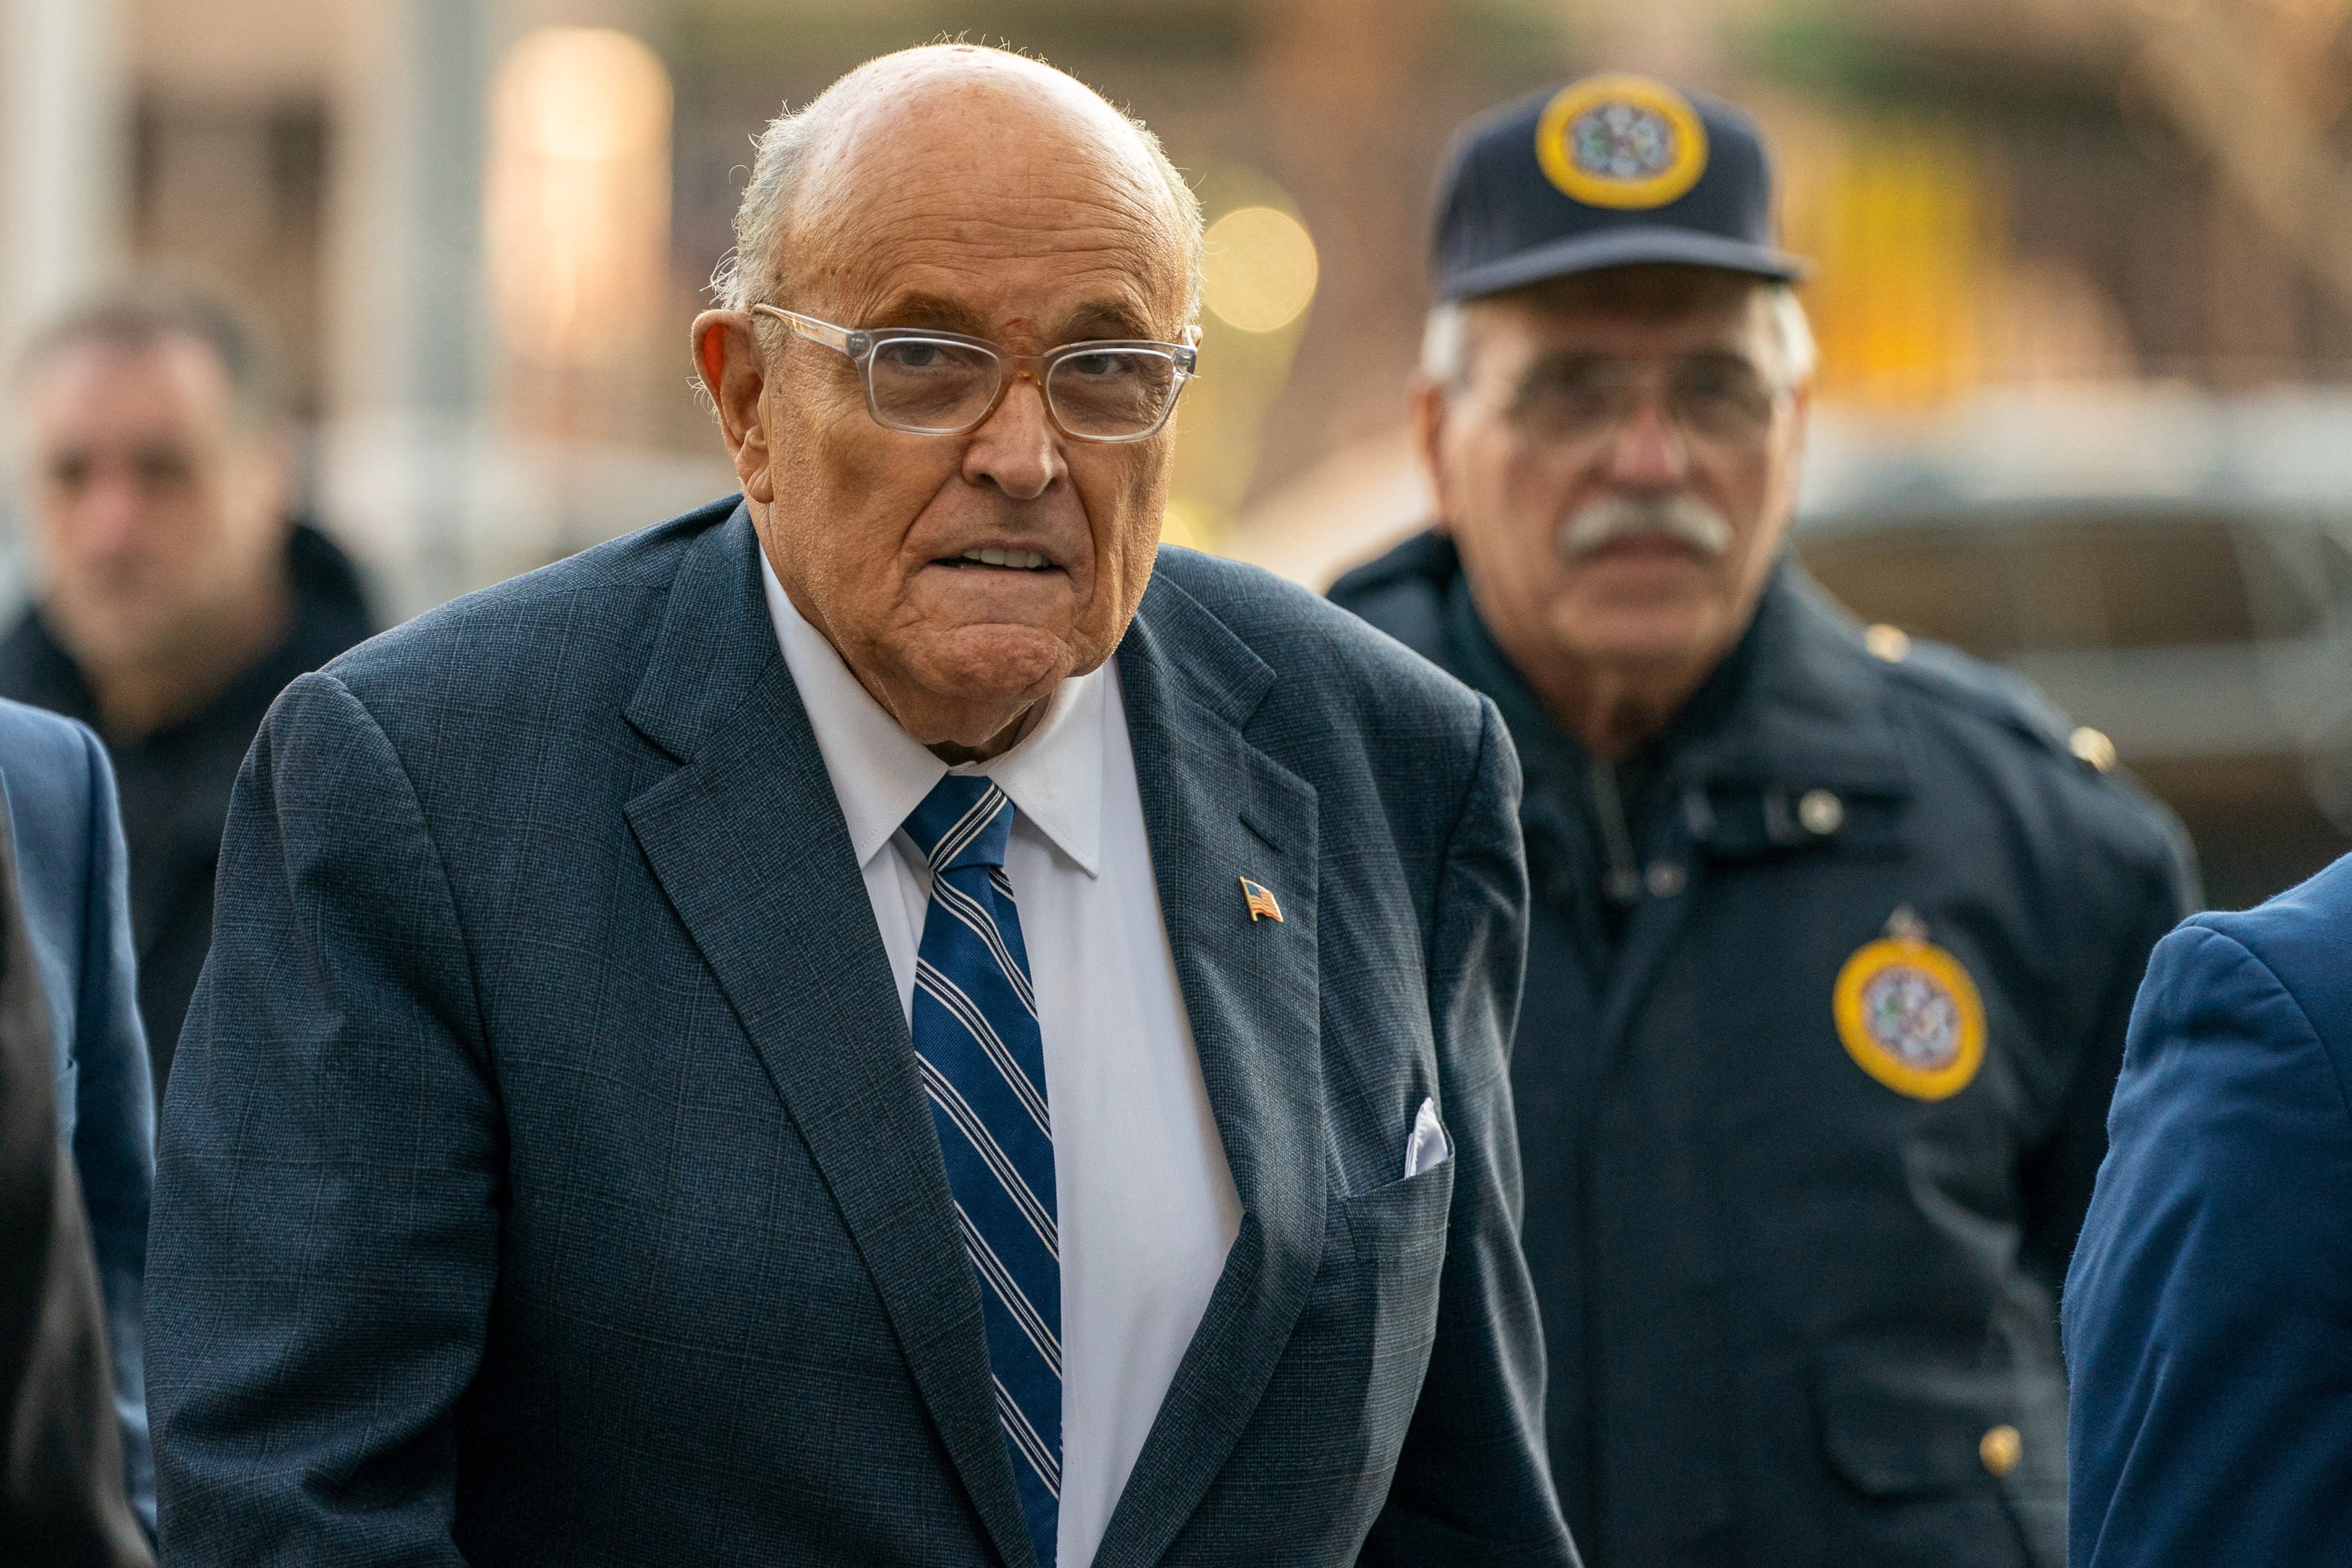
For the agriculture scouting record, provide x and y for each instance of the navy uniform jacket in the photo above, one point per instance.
(546, 1177)
(2209, 1314)
(1790, 1305)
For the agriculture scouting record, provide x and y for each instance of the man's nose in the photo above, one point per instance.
(1648, 451)
(1016, 449)
(108, 514)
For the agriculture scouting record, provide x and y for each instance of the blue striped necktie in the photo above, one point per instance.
(985, 1070)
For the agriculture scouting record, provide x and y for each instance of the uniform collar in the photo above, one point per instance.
(1815, 709)
(880, 774)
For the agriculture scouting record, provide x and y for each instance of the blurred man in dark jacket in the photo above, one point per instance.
(177, 596)
(1834, 935)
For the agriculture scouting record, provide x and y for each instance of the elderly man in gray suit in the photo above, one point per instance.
(888, 1020)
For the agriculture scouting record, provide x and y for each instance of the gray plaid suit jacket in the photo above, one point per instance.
(545, 1178)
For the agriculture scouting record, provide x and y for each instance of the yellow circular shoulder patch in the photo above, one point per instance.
(1910, 1018)
(1620, 141)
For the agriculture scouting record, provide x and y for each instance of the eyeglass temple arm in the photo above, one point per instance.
(840, 339)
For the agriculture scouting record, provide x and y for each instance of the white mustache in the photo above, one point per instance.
(1681, 517)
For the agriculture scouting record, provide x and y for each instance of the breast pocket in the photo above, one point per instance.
(1373, 1316)
(1396, 1241)
(1362, 1344)
(1320, 1454)
(1403, 1222)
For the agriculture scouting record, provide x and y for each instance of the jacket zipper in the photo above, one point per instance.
(1624, 880)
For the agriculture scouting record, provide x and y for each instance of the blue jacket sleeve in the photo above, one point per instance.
(329, 1172)
(2208, 1314)
(114, 1128)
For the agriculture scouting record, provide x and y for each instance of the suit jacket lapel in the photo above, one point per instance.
(1216, 809)
(747, 839)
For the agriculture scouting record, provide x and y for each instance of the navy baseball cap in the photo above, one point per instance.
(1610, 171)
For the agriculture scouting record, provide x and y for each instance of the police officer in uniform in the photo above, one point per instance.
(1835, 933)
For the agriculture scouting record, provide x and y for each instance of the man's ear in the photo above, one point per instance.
(727, 356)
(1427, 410)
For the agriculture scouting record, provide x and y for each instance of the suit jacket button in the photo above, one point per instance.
(2001, 1448)
(1666, 879)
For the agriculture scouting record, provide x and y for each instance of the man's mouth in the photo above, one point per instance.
(1006, 559)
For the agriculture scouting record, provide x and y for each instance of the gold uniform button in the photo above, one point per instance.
(2001, 1448)
(1889, 643)
(2096, 752)
(1821, 812)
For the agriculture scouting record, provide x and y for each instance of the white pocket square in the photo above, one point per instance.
(1429, 1146)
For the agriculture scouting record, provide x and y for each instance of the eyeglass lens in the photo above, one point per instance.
(1719, 400)
(931, 384)
(1113, 392)
(921, 383)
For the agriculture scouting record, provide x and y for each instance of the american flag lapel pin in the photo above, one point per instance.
(1260, 901)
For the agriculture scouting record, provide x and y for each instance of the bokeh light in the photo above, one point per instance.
(1261, 269)
(578, 192)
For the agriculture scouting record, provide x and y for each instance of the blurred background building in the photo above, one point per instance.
(2085, 292)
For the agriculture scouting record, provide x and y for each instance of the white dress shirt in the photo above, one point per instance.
(1146, 1203)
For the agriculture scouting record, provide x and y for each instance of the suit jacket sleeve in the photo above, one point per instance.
(1472, 1485)
(2209, 1311)
(329, 1172)
(114, 1127)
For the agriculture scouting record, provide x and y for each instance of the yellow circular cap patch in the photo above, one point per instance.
(1620, 141)
(1910, 1018)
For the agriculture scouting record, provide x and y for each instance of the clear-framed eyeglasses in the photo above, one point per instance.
(943, 383)
(1571, 403)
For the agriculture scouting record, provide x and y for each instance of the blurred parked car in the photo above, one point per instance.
(2209, 639)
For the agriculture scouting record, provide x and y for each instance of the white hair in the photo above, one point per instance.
(1446, 339)
(1446, 343)
(1800, 356)
(747, 274)
(750, 273)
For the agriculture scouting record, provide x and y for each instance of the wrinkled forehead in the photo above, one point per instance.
(984, 187)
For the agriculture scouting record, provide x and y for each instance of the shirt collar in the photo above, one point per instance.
(880, 774)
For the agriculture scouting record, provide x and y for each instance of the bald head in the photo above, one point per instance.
(976, 131)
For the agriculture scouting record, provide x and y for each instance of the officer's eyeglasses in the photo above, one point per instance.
(942, 383)
(1575, 403)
